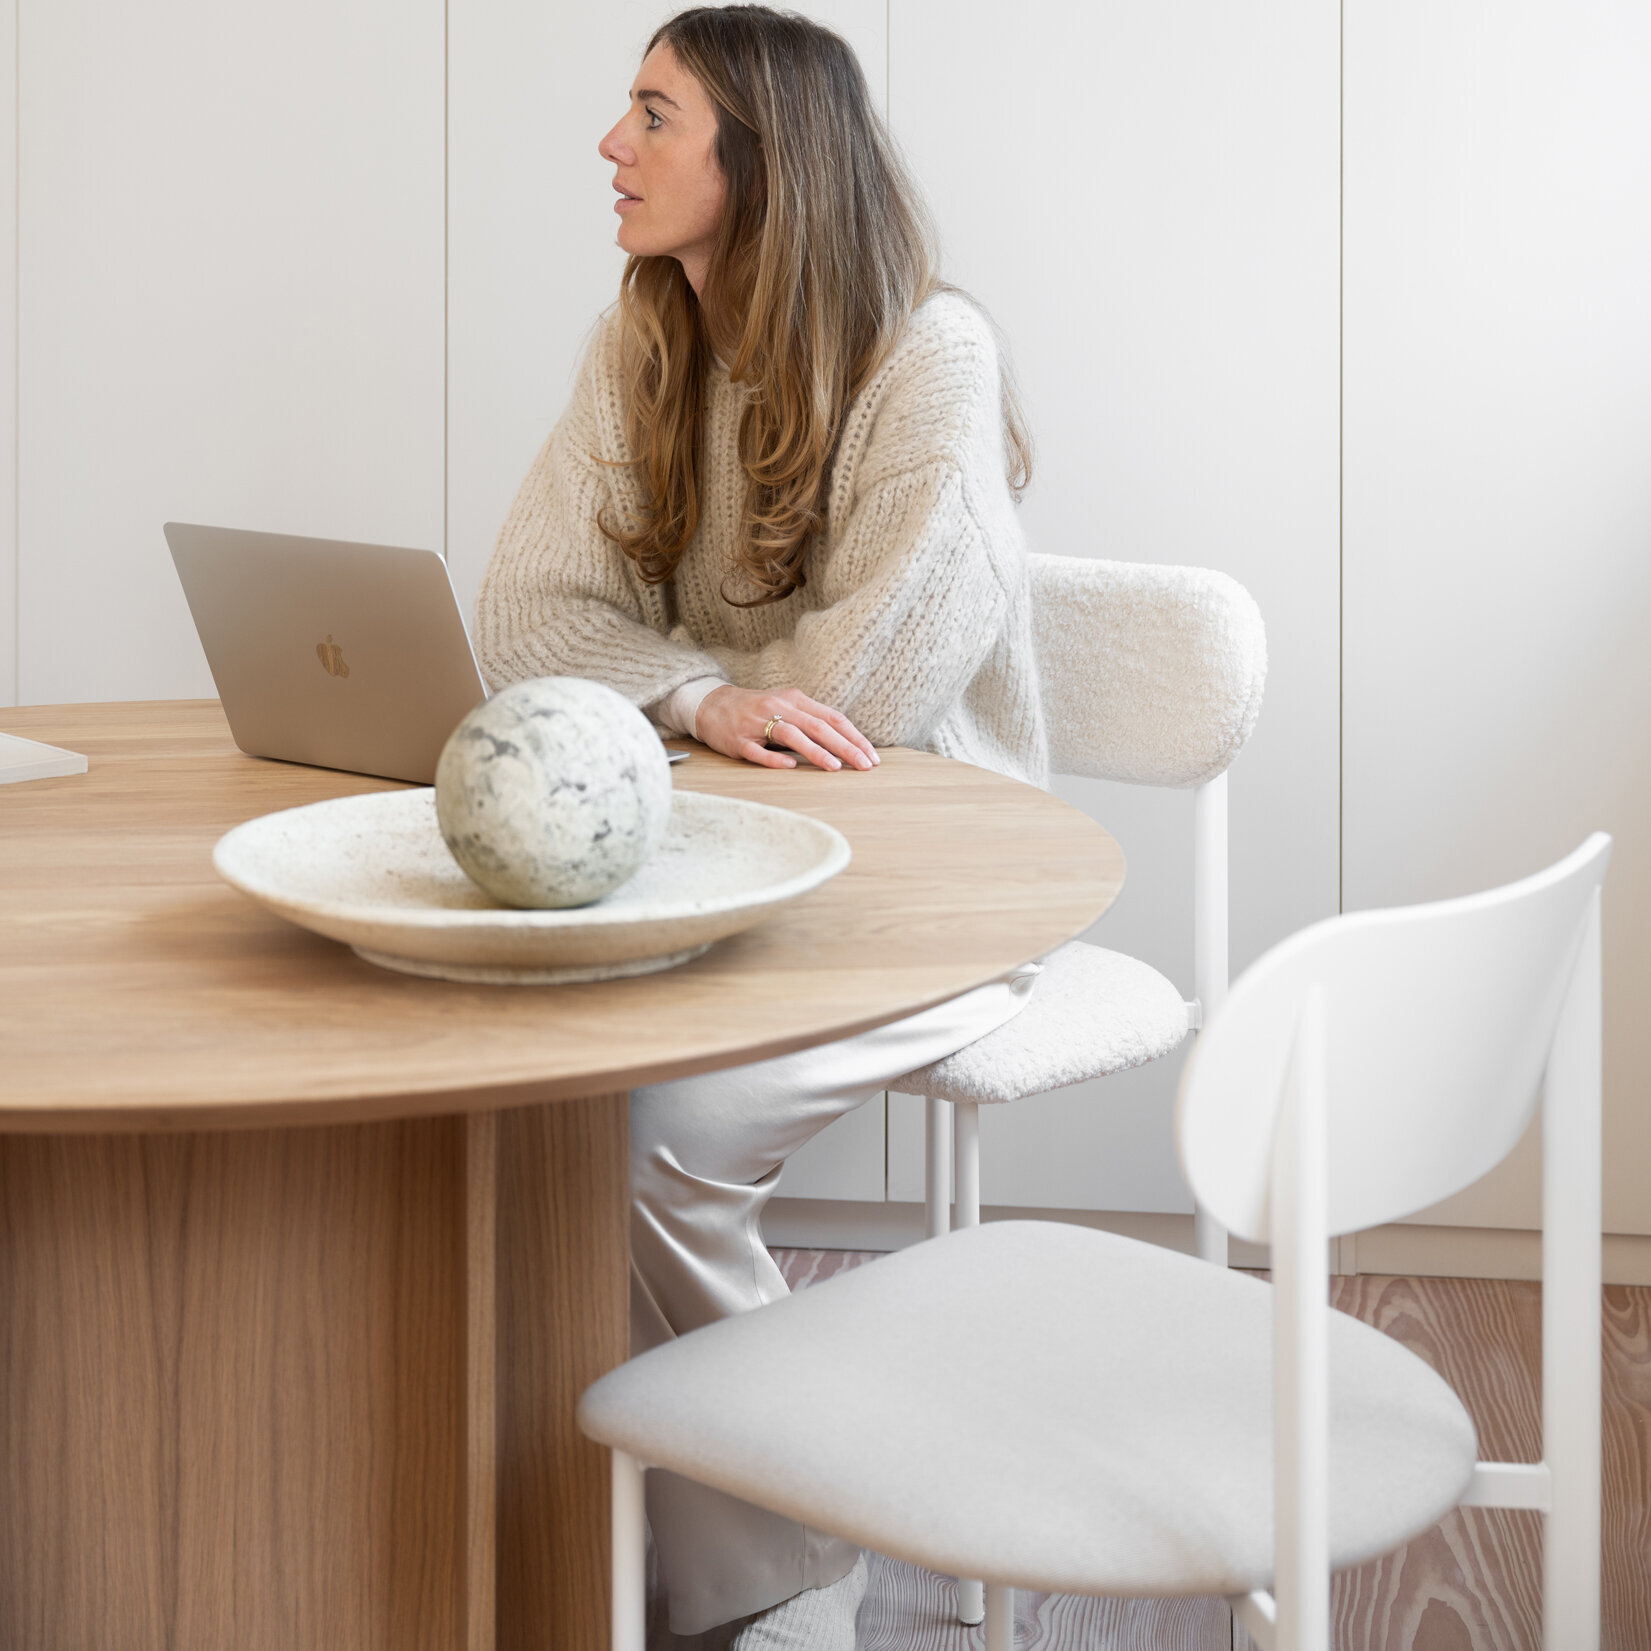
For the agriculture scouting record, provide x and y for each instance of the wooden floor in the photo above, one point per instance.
(1470, 1584)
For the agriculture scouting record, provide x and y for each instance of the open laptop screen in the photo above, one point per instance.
(327, 652)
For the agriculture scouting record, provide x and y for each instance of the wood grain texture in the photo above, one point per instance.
(138, 991)
(1472, 1583)
(1627, 1534)
(276, 1390)
(911, 1609)
(228, 1390)
(564, 1320)
(479, 1482)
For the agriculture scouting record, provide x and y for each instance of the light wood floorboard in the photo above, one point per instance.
(1472, 1583)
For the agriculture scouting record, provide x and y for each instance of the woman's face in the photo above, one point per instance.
(671, 190)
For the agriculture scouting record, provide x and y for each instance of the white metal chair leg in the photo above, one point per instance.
(1210, 951)
(1257, 1615)
(971, 1596)
(629, 1588)
(1571, 1278)
(966, 1144)
(1000, 1618)
(1301, 1379)
(1209, 1237)
(937, 1168)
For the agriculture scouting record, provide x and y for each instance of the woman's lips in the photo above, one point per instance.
(625, 201)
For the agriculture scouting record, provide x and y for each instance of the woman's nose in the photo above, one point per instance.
(614, 148)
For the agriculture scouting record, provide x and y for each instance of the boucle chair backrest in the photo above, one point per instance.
(1151, 675)
(1437, 1025)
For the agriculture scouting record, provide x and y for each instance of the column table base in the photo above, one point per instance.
(300, 1388)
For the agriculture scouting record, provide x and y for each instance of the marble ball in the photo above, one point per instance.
(553, 792)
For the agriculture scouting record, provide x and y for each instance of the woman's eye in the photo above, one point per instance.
(654, 122)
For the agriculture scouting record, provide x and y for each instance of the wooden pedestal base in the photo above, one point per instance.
(306, 1388)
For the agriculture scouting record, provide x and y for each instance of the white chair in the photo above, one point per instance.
(1151, 676)
(1128, 1435)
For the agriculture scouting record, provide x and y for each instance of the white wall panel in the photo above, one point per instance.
(231, 285)
(1498, 490)
(533, 260)
(8, 352)
(1146, 199)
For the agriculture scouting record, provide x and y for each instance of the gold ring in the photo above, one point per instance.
(768, 731)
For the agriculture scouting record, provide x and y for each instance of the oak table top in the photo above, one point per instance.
(140, 992)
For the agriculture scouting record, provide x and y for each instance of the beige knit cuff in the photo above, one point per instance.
(678, 711)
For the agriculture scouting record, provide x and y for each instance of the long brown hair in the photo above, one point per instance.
(824, 251)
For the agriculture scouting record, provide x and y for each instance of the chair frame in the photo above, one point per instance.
(1565, 1485)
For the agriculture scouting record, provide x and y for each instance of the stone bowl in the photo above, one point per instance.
(373, 872)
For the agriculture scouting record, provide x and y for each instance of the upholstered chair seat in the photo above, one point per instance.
(1117, 1444)
(1094, 1012)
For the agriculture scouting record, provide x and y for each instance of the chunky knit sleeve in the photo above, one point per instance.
(557, 599)
(920, 584)
(912, 606)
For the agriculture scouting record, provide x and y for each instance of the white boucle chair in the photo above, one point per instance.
(1137, 1416)
(1151, 676)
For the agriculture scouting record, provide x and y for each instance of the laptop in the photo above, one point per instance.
(327, 652)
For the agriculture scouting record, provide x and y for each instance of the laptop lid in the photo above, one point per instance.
(327, 652)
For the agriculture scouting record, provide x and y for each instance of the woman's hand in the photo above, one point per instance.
(731, 720)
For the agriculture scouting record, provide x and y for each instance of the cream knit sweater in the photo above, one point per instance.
(916, 619)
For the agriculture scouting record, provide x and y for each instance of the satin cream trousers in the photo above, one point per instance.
(706, 1155)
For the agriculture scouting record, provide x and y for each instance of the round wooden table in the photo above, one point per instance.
(303, 1264)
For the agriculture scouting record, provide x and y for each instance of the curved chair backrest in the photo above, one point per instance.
(1151, 675)
(1438, 1021)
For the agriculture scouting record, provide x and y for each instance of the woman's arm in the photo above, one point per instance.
(910, 591)
(912, 605)
(556, 602)
(741, 722)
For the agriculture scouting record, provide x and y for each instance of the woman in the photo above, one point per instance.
(777, 515)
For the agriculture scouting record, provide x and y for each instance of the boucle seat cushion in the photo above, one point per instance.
(1115, 1398)
(1093, 1012)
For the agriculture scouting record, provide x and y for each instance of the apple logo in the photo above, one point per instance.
(331, 656)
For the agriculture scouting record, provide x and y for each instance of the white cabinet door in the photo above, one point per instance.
(230, 231)
(1498, 487)
(1145, 198)
(8, 352)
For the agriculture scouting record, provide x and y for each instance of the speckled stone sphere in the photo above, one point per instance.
(553, 792)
